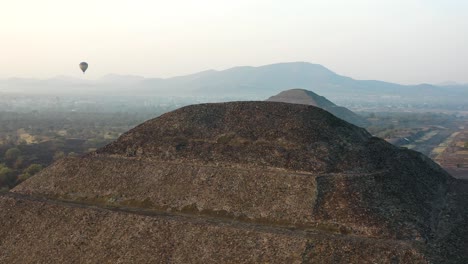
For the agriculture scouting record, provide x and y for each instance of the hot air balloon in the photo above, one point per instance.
(83, 66)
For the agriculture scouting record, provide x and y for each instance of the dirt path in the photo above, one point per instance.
(202, 219)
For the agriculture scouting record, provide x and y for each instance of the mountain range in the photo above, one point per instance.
(249, 82)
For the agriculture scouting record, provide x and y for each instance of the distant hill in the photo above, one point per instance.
(239, 182)
(301, 96)
(248, 82)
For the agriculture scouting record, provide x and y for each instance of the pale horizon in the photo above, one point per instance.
(407, 42)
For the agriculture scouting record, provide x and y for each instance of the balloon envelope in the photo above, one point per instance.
(83, 66)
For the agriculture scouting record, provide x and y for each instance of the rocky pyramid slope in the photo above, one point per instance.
(239, 182)
(301, 96)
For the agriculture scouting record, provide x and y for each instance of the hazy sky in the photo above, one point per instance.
(405, 41)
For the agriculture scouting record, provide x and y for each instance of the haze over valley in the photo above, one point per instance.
(251, 83)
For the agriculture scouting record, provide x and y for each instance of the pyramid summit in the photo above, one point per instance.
(238, 182)
(247, 134)
(302, 96)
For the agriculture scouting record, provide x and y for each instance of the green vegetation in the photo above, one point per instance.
(33, 169)
(12, 154)
(7, 176)
(10, 177)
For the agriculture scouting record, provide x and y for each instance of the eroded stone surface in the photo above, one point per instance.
(38, 232)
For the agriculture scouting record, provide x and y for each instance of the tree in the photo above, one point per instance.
(73, 154)
(7, 176)
(59, 155)
(23, 177)
(33, 169)
(18, 162)
(12, 154)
